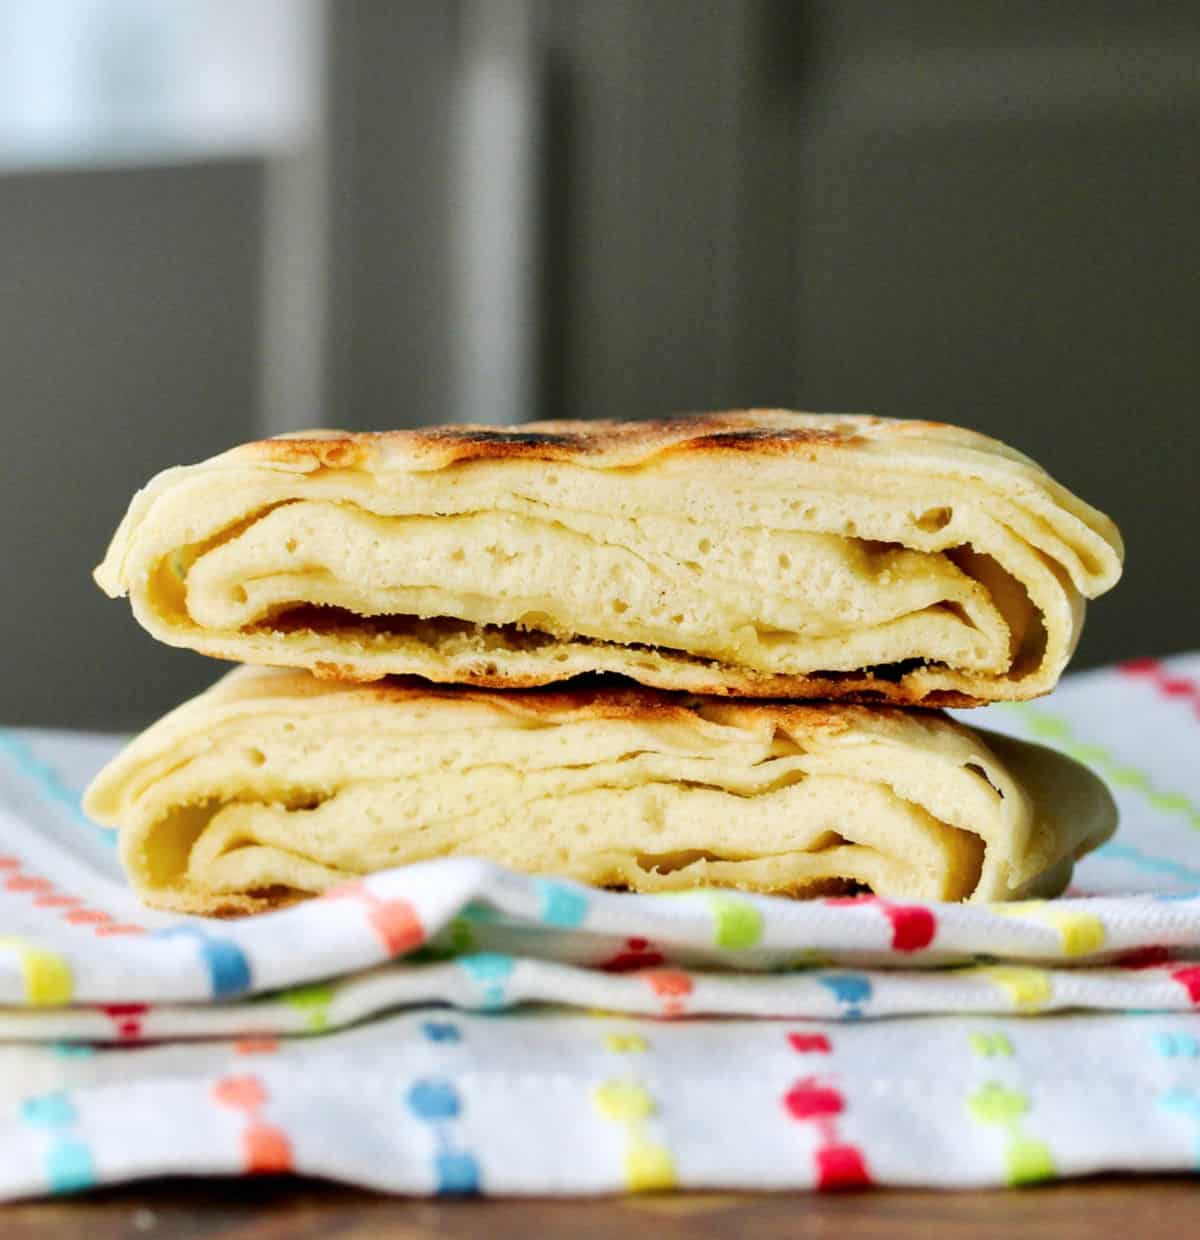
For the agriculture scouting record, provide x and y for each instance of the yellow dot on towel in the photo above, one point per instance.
(1081, 933)
(625, 1043)
(737, 924)
(648, 1167)
(1028, 989)
(1128, 777)
(626, 1102)
(1029, 1161)
(47, 975)
(1170, 801)
(990, 1045)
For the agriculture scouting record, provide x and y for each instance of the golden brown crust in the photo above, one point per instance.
(224, 906)
(750, 430)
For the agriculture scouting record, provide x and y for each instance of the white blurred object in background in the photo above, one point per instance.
(498, 219)
(86, 82)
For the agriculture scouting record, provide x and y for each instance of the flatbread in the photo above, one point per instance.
(761, 554)
(274, 785)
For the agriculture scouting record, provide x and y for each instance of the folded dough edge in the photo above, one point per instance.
(273, 785)
(285, 546)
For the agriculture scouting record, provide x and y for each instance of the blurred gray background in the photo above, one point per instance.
(222, 218)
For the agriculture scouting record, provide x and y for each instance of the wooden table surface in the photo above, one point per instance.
(288, 1209)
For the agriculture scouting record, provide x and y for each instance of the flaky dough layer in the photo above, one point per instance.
(274, 785)
(764, 554)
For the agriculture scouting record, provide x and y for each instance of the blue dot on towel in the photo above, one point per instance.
(48, 1110)
(456, 1173)
(561, 905)
(69, 1167)
(433, 1100)
(441, 1031)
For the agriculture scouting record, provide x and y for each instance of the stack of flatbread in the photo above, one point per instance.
(658, 656)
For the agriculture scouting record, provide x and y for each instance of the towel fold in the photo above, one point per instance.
(452, 1097)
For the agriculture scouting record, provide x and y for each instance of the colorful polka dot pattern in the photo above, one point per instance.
(818, 1103)
(311, 1003)
(852, 991)
(843, 945)
(1181, 1101)
(1027, 1159)
(1080, 934)
(913, 927)
(489, 974)
(629, 1102)
(265, 1149)
(647, 1163)
(616, 1105)
(1005, 1109)
(74, 910)
(226, 964)
(438, 1104)
(395, 922)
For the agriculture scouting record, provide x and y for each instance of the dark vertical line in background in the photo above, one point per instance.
(769, 350)
(392, 88)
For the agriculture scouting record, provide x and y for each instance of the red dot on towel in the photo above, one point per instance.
(912, 928)
(87, 917)
(24, 882)
(396, 923)
(1189, 979)
(256, 1046)
(243, 1092)
(810, 1043)
(54, 900)
(668, 983)
(841, 1166)
(267, 1150)
(1176, 688)
(809, 1100)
